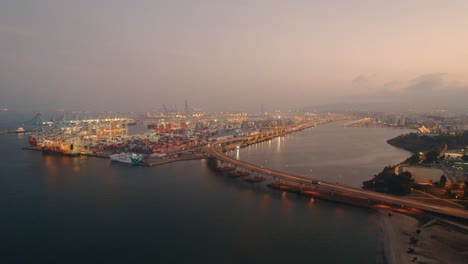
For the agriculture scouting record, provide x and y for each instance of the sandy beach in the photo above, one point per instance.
(436, 241)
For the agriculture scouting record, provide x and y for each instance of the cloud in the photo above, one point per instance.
(391, 85)
(427, 82)
(360, 81)
(420, 93)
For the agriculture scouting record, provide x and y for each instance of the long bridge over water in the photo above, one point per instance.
(346, 194)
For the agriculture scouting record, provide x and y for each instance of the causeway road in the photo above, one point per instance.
(216, 151)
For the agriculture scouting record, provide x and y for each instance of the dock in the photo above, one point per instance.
(4, 132)
(150, 162)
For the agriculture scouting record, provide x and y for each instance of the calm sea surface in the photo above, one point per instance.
(329, 152)
(90, 210)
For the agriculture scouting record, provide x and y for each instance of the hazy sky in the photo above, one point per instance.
(112, 55)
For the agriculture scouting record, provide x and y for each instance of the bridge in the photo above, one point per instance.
(217, 149)
(357, 122)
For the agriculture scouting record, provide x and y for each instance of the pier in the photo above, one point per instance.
(149, 162)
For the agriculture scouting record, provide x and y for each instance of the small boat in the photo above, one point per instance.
(130, 158)
(238, 173)
(226, 168)
(255, 179)
(20, 130)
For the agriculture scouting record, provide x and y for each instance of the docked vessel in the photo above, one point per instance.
(238, 173)
(130, 158)
(60, 150)
(32, 140)
(226, 168)
(255, 178)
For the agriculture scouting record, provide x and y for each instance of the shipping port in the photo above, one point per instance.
(162, 138)
(72, 136)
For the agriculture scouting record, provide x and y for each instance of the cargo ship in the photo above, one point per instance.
(130, 158)
(58, 151)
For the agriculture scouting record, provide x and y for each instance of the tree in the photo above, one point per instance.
(414, 159)
(449, 193)
(388, 182)
(464, 157)
(432, 156)
(406, 174)
(443, 180)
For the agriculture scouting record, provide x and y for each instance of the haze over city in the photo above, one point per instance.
(232, 55)
(234, 131)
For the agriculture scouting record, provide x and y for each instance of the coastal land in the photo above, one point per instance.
(409, 240)
(420, 238)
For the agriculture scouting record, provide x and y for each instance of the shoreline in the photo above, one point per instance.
(391, 240)
(406, 240)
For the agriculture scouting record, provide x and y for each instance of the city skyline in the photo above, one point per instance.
(245, 131)
(222, 55)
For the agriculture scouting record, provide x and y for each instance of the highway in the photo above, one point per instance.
(216, 151)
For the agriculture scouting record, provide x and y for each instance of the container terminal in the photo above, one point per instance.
(167, 137)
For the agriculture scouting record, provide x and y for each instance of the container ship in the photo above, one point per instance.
(130, 158)
(60, 151)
